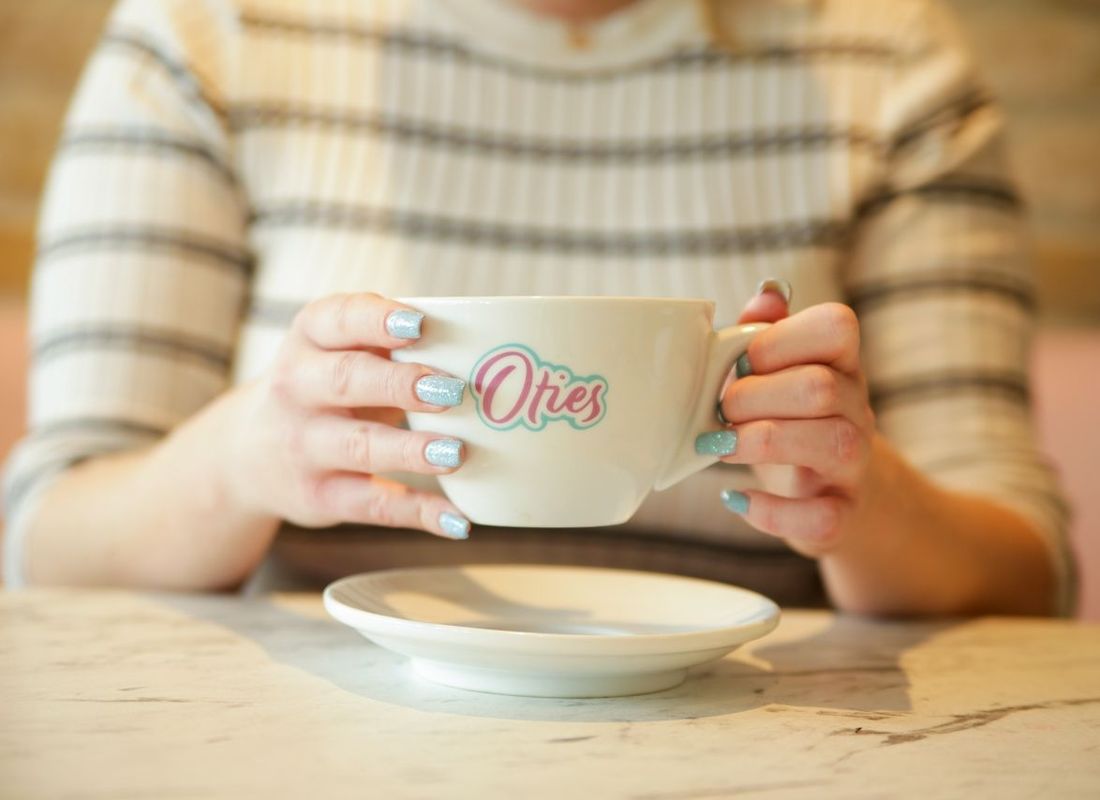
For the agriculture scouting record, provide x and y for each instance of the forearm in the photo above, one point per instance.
(163, 517)
(916, 548)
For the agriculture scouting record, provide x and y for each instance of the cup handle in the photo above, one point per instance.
(724, 348)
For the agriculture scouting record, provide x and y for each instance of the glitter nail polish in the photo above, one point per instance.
(440, 390)
(404, 324)
(454, 526)
(716, 443)
(443, 452)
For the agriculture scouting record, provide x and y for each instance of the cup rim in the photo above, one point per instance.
(554, 298)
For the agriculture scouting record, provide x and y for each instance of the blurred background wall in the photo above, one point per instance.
(1042, 57)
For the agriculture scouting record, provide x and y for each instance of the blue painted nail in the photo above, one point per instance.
(443, 452)
(716, 443)
(777, 285)
(737, 502)
(439, 390)
(454, 526)
(404, 324)
(744, 366)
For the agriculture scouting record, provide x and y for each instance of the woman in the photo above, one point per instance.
(235, 175)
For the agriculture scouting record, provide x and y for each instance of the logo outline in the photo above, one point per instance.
(545, 417)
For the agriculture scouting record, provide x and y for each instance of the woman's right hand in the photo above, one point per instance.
(314, 432)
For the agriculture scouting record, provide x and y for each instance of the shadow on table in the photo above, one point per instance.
(849, 668)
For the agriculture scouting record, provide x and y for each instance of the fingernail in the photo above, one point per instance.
(454, 526)
(743, 366)
(439, 390)
(404, 324)
(443, 452)
(777, 285)
(737, 502)
(716, 443)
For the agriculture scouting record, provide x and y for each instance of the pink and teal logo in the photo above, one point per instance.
(512, 386)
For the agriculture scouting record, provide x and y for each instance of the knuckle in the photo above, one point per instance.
(283, 380)
(768, 517)
(378, 509)
(428, 515)
(843, 322)
(822, 390)
(827, 523)
(847, 441)
(284, 375)
(296, 441)
(360, 446)
(395, 384)
(314, 489)
(303, 317)
(412, 452)
(343, 373)
(343, 312)
(767, 436)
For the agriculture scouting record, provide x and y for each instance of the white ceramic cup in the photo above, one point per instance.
(575, 407)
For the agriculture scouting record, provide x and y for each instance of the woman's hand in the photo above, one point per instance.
(801, 415)
(889, 540)
(317, 428)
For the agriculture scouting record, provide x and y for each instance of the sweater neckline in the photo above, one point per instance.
(636, 33)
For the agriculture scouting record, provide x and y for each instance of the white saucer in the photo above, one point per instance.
(550, 631)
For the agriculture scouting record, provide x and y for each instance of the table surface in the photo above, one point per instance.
(127, 695)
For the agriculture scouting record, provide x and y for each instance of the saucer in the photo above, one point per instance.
(550, 631)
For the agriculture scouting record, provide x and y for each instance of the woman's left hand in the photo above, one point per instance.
(803, 420)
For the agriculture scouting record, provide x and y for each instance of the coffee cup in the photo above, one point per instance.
(575, 407)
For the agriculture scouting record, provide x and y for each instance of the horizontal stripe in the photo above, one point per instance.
(96, 424)
(1045, 494)
(192, 245)
(266, 116)
(1017, 456)
(952, 111)
(181, 74)
(281, 312)
(474, 233)
(274, 313)
(134, 339)
(920, 286)
(114, 427)
(924, 387)
(126, 141)
(28, 479)
(989, 463)
(953, 189)
(412, 42)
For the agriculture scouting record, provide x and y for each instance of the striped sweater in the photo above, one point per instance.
(225, 161)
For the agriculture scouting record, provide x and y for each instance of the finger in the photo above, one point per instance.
(375, 501)
(332, 442)
(352, 378)
(353, 321)
(811, 391)
(823, 334)
(834, 448)
(812, 524)
(771, 302)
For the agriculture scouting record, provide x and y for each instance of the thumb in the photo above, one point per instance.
(771, 302)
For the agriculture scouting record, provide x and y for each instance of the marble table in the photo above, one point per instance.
(127, 695)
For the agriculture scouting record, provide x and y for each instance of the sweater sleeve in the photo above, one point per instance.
(142, 265)
(941, 277)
